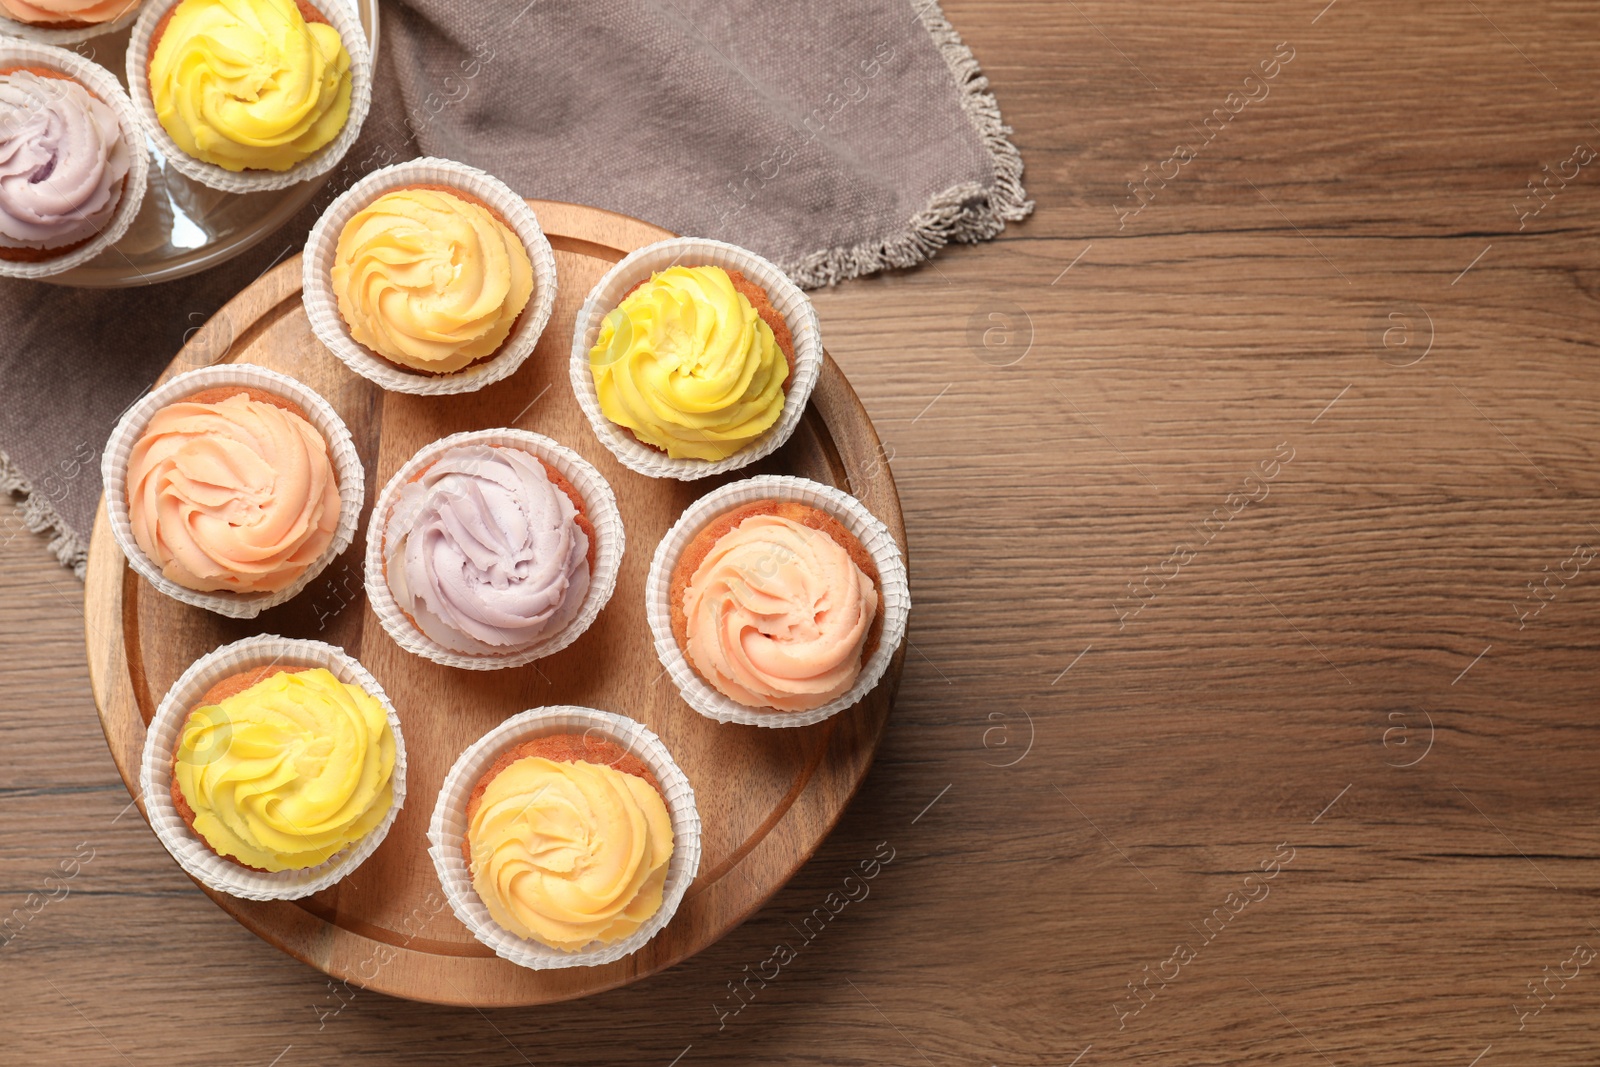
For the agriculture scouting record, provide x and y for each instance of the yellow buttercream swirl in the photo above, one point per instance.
(429, 280)
(249, 84)
(687, 365)
(570, 853)
(288, 772)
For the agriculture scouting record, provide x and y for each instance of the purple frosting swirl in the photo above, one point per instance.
(62, 161)
(484, 553)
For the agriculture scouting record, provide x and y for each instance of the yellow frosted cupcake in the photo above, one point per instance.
(281, 768)
(249, 84)
(430, 278)
(694, 362)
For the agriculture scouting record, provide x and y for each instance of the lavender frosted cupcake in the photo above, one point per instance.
(488, 550)
(64, 164)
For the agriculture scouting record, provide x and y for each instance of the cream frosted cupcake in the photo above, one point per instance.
(568, 841)
(273, 768)
(230, 487)
(430, 278)
(565, 837)
(694, 362)
(63, 161)
(281, 767)
(777, 601)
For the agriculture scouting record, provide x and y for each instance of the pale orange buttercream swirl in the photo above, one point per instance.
(238, 495)
(570, 853)
(778, 615)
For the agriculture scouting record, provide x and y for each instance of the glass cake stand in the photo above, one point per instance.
(183, 226)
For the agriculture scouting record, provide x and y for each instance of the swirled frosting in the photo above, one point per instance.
(429, 280)
(778, 615)
(249, 84)
(238, 495)
(688, 366)
(569, 853)
(91, 12)
(62, 161)
(484, 552)
(288, 772)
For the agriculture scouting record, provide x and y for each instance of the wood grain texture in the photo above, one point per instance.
(1175, 756)
(765, 797)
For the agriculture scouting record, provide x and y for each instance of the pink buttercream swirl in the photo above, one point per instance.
(46, 12)
(237, 496)
(484, 551)
(778, 615)
(62, 161)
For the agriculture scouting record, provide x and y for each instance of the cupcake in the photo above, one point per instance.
(430, 278)
(64, 164)
(280, 768)
(249, 85)
(568, 841)
(232, 489)
(775, 605)
(488, 550)
(66, 14)
(694, 362)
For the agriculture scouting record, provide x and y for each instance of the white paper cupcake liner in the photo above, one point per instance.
(894, 594)
(103, 84)
(791, 302)
(155, 773)
(26, 31)
(342, 16)
(599, 504)
(322, 307)
(347, 464)
(448, 830)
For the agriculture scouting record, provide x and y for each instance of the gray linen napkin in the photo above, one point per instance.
(837, 138)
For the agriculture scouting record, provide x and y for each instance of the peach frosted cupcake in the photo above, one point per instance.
(775, 604)
(776, 601)
(232, 489)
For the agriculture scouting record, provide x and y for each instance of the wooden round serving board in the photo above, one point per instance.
(767, 797)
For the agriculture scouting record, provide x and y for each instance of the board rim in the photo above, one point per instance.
(295, 927)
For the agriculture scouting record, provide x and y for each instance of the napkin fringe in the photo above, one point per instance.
(968, 212)
(40, 516)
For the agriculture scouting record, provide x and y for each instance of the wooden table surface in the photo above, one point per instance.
(1250, 716)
